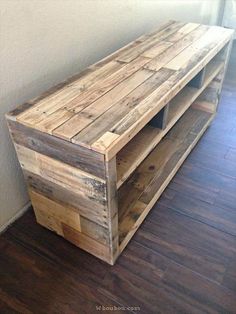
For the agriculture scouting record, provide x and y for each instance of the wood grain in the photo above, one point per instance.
(181, 260)
(144, 187)
(51, 146)
(98, 151)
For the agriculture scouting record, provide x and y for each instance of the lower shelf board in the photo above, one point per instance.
(140, 192)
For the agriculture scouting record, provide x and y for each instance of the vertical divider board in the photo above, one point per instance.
(198, 80)
(98, 150)
(161, 118)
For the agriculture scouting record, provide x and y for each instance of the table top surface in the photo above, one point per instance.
(103, 107)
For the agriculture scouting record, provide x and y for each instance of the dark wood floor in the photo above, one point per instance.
(181, 260)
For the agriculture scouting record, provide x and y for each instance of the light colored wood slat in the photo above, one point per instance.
(149, 42)
(86, 243)
(117, 93)
(155, 100)
(59, 99)
(90, 113)
(48, 221)
(80, 182)
(54, 120)
(72, 126)
(140, 193)
(60, 212)
(134, 43)
(129, 158)
(183, 31)
(156, 49)
(105, 140)
(93, 132)
(103, 86)
(211, 37)
(160, 60)
(88, 208)
(162, 91)
(94, 230)
(79, 157)
(205, 106)
(133, 122)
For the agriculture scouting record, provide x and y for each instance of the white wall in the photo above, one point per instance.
(42, 42)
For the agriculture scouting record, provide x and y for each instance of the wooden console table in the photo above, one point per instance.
(98, 150)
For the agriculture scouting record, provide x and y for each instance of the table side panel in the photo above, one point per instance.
(66, 197)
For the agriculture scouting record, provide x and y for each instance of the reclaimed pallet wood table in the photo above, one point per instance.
(98, 150)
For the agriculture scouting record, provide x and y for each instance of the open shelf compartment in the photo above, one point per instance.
(142, 189)
(143, 143)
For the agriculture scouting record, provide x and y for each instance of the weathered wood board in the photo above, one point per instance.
(98, 150)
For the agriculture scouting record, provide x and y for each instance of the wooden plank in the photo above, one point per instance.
(86, 98)
(87, 208)
(49, 93)
(160, 60)
(131, 54)
(105, 122)
(58, 100)
(50, 122)
(59, 211)
(104, 141)
(150, 179)
(203, 45)
(138, 117)
(167, 90)
(85, 117)
(79, 157)
(134, 43)
(132, 190)
(190, 124)
(53, 214)
(105, 85)
(156, 49)
(48, 221)
(71, 127)
(129, 158)
(81, 183)
(86, 243)
(94, 230)
(183, 31)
